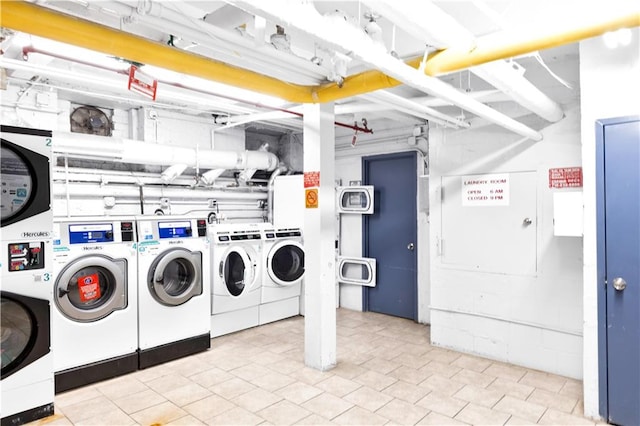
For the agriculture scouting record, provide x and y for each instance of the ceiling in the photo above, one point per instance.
(312, 52)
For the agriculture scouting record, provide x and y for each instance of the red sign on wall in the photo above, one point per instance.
(142, 83)
(311, 179)
(565, 177)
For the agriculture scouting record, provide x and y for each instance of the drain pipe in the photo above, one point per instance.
(277, 172)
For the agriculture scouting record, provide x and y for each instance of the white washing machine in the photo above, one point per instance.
(174, 296)
(26, 373)
(283, 257)
(236, 268)
(95, 310)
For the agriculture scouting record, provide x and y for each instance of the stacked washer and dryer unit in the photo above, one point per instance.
(26, 376)
(173, 288)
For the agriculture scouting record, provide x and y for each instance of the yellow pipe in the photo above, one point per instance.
(455, 59)
(36, 20)
(30, 18)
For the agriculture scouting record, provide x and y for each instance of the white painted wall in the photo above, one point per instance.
(349, 168)
(530, 320)
(610, 88)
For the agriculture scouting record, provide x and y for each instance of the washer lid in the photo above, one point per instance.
(285, 262)
(175, 276)
(91, 288)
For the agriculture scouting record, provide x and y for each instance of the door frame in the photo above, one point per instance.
(603, 362)
(365, 224)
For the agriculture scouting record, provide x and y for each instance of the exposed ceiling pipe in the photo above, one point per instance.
(414, 108)
(357, 107)
(233, 48)
(137, 152)
(508, 44)
(429, 23)
(339, 34)
(34, 19)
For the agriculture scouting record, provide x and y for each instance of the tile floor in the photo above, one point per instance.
(387, 373)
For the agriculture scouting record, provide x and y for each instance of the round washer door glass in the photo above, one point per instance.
(92, 287)
(16, 331)
(287, 264)
(176, 276)
(236, 271)
(17, 183)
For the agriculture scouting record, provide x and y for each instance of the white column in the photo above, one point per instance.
(319, 236)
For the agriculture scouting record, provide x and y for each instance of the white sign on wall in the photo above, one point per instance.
(485, 190)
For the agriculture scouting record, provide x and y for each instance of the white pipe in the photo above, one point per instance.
(414, 108)
(230, 48)
(131, 151)
(427, 22)
(85, 190)
(341, 36)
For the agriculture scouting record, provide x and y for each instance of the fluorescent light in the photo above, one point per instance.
(75, 52)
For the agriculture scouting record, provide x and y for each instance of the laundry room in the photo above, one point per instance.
(289, 187)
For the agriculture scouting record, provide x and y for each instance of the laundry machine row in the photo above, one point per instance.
(26, 374)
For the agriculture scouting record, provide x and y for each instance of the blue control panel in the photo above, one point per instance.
(174, 229)
(91, 233)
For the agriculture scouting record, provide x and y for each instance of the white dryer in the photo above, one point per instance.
(236, 267)
(26, 373)
(95, 310)
(283, 257)
(173, 288)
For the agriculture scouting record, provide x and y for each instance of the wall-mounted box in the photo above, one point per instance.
(568, 214)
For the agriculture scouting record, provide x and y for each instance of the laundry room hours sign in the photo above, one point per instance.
(485, 190)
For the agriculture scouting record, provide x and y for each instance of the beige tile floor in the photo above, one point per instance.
(387, 373)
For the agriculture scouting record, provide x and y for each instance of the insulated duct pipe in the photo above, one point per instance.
(38, 20)
(132, 151)
(277, 172)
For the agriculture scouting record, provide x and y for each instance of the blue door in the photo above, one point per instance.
(619, 269)
(390, 234)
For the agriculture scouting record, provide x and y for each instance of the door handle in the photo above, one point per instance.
(527, 221)
(410, 246)
(619, 283)
(62, 292)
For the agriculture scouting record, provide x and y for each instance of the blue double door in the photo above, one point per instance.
(618, 191)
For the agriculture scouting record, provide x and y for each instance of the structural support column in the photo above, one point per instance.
(319, 237)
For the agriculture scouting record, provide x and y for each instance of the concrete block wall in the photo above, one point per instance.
(534, 320)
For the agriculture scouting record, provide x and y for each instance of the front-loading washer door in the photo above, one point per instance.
(175, 276)
(25, 181)
(237, 271)
(24, 331)
(91, 288)
(285, 263)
